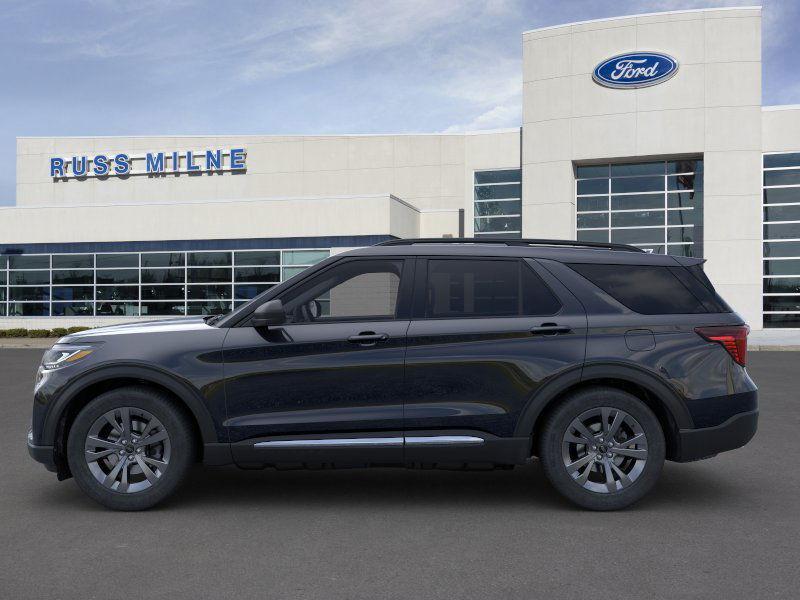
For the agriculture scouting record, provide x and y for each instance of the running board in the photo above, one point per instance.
(376, 442)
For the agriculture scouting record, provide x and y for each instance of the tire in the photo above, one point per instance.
(579, 471)
(136, 475)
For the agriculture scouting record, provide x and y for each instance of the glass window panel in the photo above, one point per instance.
(3, 262)
(289, 272)
(84, 292)
(29, 277)
(500, 176)
(685, 199)
(587, 171)
(683, 217)
(22, 261)
(460, 288)
(73, 309)
(592, 186)
(782, 231)
(209, 292)
(257, 274)
(680, 234)
(789, 177)
(684, 166)
(498, 224)
(162, 292)
(209, 259)
(2, 277)
(3, 309)
(597, 235)
(117, 309)
(593, 220)
(506, 207)
(28, 309)
(208, 308)
(163, 276)
(782, 285)
(73, 261)
(118, 292)
(789, 159)
(118, 276)
(163, 259)
(113, 261)
(648, 168)
(782, 303)
(782, 320)
(684, 182)
(595, 203)
(494, 192)
(250, 290)
(637, 219)
(304, 257)
(681, 249)
(637, 184)
(209, 275)
(62, 277)
(29, 293)
(782, 195)
(779, 249)
(637, 236)
(782, 213)
(269, 257)
(782, 267)
(163, 308)
(637, 201)
(2, 294)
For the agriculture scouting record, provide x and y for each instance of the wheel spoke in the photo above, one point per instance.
(611, 484)
(154, 438)
(156, 463)
(123, 485)
(618, 418)
(112, 420)
(641, 454)
(112, 475)
(584, 477)
(148, 472)
(583, 430)
(96, 442)
(573, 439)
(92, 456)
(125, 413)
(623, 478)
(639, 440)
(572, 467)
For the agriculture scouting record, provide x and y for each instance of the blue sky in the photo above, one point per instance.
(152, 67)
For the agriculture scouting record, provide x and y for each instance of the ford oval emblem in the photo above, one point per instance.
(635, 70)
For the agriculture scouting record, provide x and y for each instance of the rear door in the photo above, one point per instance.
(485, 334)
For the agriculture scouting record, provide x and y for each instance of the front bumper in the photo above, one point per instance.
(42, 454)
(695, 444)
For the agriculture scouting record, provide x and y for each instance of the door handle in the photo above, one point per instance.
(550, 329)
(368, 338)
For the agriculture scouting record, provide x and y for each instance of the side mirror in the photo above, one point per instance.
(269, 313)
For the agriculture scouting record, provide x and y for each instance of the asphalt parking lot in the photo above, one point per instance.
(728, 527)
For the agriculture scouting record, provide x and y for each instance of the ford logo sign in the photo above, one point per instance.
(635, 70)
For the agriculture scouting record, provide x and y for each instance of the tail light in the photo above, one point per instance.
(732, 337)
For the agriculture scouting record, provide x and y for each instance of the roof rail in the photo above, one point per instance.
(511, 242)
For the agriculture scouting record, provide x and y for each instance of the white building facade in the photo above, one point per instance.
(684, 161)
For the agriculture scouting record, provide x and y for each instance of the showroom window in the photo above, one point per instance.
(781, 300)
(498, 203)
(120, 284)
(656, 206)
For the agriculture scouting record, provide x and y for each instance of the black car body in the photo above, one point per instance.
(468, 349)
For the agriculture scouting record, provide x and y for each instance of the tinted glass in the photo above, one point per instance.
(494, 192)
(684, 199)
(593, 186)
(506, 175)
(112, 261)
(637, 218)
(117, 309)
(498, 224)
(209, 275)
(258, 258)
(29, 293)
(28, 309)
(779, 249)
(209, 259)
(117, 292)
(249, 290)
(163, 275)
(637, 201)
(29, 262)
(73, 309)
(587, 171)
(207, 308)
(637, 184)
(304, 257)
(782, 267)
(163, 308)
(788, 177)
(593, 220)
(782, 285)
(486, 288)
(29, 277)
(782, 303)
(782, 231)
(782, 195)
(163, 259)
(791, 159)
(505, 207)
(84, 292)
(73, 261)
(648, 290)
(684, 182)
(271, 274)
(162, 292)
(208, 292)
(782, 213)
(652, 168)
(593, 235)
(118, 276)
(782, 320)
(73, 277)
(592, 203)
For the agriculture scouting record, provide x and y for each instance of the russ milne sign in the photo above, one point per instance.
(635, 70)
(151, 163)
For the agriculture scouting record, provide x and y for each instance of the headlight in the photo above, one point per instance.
(56, 358)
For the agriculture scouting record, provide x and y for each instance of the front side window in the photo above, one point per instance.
(353, 290)
(486, 288)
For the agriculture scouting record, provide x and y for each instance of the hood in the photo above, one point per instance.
(165, 325)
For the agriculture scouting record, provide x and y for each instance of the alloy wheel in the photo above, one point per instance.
(127, 449)
(604, 450)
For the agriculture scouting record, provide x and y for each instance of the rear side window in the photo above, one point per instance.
(486, 288)
(653, 290)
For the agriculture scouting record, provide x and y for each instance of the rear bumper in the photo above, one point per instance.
(695, 444)
(42, 454)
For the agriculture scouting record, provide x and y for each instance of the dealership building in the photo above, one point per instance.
(645, 130)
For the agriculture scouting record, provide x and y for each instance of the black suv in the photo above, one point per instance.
(599, 359)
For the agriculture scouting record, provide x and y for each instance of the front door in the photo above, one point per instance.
(326, 386)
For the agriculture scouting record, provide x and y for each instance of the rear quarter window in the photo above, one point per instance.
(652, 290)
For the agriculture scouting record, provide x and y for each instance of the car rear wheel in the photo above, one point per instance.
(130, 448)
(602, 448)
